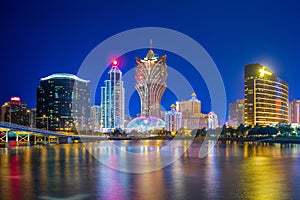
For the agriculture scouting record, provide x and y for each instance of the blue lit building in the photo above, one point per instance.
(112, 100)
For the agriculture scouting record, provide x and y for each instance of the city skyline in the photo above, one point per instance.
(110, 68)
(209, 110)
(47, 45)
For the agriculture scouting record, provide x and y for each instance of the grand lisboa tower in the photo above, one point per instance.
(150, 84)
(150, 79)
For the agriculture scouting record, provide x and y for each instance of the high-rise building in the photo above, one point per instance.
(192, 118)
(232, 115)
(236, 113)
(240, 111)
(63, 103)
(173, 119)
(266, 96)
(95, 118)
(15, 111)
(294, 111)
(190, 108)
(112, 100)
(150, 79)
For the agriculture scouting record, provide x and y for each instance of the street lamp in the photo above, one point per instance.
(44, 116)
(29, 120)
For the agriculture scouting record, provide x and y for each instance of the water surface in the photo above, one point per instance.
(230, 171)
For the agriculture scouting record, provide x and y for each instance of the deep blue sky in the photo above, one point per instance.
(39, 38)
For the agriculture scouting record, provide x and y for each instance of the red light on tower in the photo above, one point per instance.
(15, 99)
(115, 62)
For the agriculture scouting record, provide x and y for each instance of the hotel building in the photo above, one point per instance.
(173, 119)
(112, 110)
(266, 96)
(63, 103)
(150, 79)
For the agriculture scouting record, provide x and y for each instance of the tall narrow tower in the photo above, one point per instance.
(112, 100)
(151, 78)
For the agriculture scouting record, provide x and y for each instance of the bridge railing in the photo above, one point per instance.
(18, 127)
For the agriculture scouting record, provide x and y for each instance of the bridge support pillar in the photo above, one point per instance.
(22, 139)
(6, 140)
(45, 140)
(34, 139)
(69, 140)
(53, 139)
(28, 140)
(17, 139)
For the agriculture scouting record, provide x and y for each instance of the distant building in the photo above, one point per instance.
(190, 108)
(95, 118)
(173, 119)
(192, 118)
(63, 103)
(32, 117)
(150, 79)
(213, 122)
(112, 100)
(15, 111)
(232, 114)
(294, 111)
(236, 113)
(266, 96)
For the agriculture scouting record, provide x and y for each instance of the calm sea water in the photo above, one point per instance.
(230, 171)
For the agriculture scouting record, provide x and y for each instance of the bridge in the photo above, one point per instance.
(40, 136)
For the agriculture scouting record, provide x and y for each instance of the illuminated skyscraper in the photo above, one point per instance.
(63, 103)
(112, 100)
(151, 78)
(266, 96)
(15, 111)
(173, 119)
(294, 111)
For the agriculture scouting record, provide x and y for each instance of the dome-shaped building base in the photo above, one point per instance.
(145, 124)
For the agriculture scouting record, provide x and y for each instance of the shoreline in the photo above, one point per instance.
(280, 140)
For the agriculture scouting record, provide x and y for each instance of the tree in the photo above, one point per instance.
(285, 129)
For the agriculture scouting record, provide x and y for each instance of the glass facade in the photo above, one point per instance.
(63, 103)
(266, 96)
(112, 101)
(144, 124)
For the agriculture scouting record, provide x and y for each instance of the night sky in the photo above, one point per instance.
(39, 38)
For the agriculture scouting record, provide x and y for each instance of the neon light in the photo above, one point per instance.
(64, 76)
(115, 62)
(15, 99)
(262, 72)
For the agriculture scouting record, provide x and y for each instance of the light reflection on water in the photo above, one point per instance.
(230, 171)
